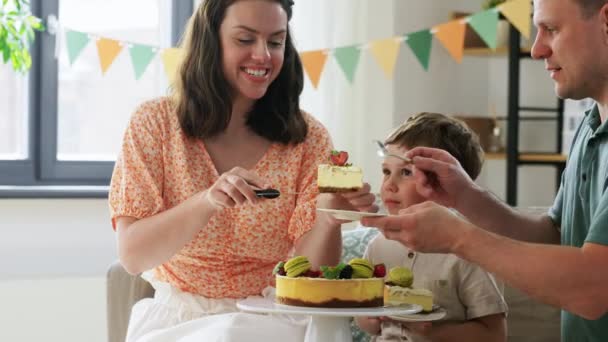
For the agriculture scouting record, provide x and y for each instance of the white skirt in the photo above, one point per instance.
(173, 315)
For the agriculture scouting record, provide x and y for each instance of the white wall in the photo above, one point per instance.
(55, 238)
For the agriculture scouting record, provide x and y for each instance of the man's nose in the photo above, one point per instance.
(540, 50)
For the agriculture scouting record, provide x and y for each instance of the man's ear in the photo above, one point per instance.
(603, 17)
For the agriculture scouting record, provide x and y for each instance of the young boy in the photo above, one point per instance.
(472, 298)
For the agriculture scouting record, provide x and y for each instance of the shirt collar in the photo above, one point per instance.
(595, 122)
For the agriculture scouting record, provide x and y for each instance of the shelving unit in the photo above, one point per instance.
(515, 158)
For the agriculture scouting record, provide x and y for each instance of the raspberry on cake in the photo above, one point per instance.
(338, 176)
(331, 287)
(398, 290)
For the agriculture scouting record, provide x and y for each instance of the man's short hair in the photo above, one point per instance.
(590, 7)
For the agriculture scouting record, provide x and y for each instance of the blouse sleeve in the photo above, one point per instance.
(317, 147)
(137, 181)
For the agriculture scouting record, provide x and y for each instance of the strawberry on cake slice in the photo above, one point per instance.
(338, 175)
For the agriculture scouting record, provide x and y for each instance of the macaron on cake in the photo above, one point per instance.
(356, 284)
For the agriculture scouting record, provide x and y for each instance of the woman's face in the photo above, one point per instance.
(252, 38)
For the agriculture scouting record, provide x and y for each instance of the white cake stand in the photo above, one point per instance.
(325, 324)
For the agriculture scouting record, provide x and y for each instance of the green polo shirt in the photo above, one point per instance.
(581, 210)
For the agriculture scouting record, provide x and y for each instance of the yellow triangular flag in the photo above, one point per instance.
(385, 51)
(171, 57)
(314, 62)
(451, 35)
(108, 50)
(518, 12)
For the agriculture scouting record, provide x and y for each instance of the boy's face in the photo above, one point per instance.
(398, 187)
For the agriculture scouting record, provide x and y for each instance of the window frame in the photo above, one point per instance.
(41, 175)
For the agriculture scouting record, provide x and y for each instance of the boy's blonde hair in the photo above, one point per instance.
(443, 132)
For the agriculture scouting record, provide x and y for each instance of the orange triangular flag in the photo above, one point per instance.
(518, 12)
(171, 57)
(386, 51)
(314, 62)
(451, 35)
(108, 50)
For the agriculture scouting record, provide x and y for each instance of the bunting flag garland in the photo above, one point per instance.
(385, 51)
(451, 36)
(518, 12)
(141, 56)
(171, 58)
(348, 59)
(485, 24)
(76, 41)
(313, 62)
(108, 50)
(420, 44)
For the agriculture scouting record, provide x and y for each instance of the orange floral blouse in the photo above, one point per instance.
(234, 254)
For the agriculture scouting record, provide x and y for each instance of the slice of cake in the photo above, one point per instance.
(342, 286)
(397, 295)
(398, 290)
(338, 176)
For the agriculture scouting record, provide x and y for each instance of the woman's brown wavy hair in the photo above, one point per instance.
(202, 96)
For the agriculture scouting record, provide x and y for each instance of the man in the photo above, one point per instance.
(522, 250)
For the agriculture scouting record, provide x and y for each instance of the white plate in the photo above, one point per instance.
(267, 305)
(434, 315)
(349, 215)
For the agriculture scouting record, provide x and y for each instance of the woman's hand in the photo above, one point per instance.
(360, 200)
(234, 188)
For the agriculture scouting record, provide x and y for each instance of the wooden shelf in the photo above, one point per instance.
(531, 157)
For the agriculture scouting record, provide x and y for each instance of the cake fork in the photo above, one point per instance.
(383, 152)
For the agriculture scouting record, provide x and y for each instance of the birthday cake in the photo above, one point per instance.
(352, 285)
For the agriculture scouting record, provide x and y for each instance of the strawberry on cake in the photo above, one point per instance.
(339, 176)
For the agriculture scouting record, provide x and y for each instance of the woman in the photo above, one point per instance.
(182, 195)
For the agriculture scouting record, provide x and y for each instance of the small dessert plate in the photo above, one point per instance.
(435, 315)
(349, 215)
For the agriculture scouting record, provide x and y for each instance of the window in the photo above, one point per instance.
(65, 119)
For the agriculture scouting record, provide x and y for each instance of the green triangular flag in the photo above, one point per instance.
(420, 44)
(485, 24)
(141, 56)
(76, 41)
(348, 58)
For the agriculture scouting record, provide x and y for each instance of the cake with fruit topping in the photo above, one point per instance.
(338, 175)
(398, 290)
(352, 285)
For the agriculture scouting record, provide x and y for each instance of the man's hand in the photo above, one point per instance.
(439, 176)
(425, 227)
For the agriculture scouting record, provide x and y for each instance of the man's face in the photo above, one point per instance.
(573, 47)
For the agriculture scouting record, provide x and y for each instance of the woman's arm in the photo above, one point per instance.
(148, 242)
(492, 328)
(323, 243)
